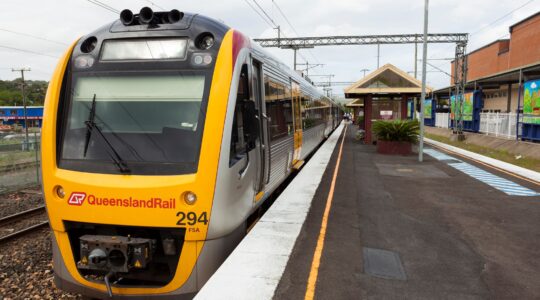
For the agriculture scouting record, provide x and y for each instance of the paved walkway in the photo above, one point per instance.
(398, 229)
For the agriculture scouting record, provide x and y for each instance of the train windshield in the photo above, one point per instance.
(152, 122)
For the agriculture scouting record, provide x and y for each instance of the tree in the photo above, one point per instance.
(10, 92)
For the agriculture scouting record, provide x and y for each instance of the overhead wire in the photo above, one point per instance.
(104, 5)
(154, 4)
(33, 36)
(260, 15)
(28, 51)
(264, 12)
(488, 25)
(293, 29)
(268, 20)
(503, 17)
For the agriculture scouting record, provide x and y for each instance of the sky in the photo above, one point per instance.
(49, 27)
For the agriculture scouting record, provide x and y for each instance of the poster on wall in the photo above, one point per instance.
(531, 102)
(427, 108)
(468, 105)
(386, 114)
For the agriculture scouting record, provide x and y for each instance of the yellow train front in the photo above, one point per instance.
(163, 132)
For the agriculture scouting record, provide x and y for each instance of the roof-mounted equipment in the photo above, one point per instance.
(147, 16)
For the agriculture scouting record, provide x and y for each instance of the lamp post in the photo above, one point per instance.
(423, 95)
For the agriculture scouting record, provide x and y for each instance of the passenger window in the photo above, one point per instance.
(278, 107)
(239, 130)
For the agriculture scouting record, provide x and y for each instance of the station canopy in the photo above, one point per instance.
(387, 80)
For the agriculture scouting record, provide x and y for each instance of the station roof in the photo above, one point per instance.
(388, 79)
(494, 81)
(355, 103)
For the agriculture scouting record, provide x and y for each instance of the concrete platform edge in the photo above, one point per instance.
(254, 268)
(530, 174)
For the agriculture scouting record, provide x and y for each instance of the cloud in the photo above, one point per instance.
(66, 20)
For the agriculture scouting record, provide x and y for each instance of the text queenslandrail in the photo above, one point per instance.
(132, 202)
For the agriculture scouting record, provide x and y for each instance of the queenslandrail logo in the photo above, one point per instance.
(77, 199)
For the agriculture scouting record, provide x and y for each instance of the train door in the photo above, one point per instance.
(263, 160)
(297, 116)
(244, 150)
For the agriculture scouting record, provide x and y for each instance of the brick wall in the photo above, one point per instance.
(525, 38)
(520, 50)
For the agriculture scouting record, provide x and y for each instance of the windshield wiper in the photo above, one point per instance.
(90, 126)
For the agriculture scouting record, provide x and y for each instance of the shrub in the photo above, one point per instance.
(359, 120)
(397, 130)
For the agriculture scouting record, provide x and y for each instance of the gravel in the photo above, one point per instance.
(20, 224)
(26, 268)
(15, 202)
(26, 262)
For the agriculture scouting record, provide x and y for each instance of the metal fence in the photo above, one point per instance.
(442, 120)
(19, 164)
(499, 124)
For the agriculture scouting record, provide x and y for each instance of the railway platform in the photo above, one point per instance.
(389, 227)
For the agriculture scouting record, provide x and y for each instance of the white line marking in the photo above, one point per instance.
(530, 174)
(502, 184)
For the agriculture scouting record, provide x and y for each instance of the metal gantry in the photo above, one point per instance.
(460, 79)
(460, 61)
(310, 42)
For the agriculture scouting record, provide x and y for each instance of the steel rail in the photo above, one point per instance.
(13, 217)
(23, 231)
(19, 166)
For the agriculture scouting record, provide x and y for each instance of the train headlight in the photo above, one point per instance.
(190, 198)
(205, 41)
(60, 192)
(84, 61)
(201, 59)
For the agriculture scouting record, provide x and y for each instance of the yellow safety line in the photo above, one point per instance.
(483, 163)
(313, 274)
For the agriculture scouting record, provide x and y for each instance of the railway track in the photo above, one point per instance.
(17, 167)
(22, 216)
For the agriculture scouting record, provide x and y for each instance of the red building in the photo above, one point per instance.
(519, 51)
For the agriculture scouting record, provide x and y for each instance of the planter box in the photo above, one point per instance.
(392, 147)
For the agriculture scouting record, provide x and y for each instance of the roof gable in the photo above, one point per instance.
(387, 79)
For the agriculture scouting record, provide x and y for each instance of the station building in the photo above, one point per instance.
(14, 115)
(504, 76)
(496, 67)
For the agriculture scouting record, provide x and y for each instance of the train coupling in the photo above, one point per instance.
(116, 254)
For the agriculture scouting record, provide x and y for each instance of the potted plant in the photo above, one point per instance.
(396, 137)
(359, 122)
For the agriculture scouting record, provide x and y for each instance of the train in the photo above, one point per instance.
(163, 134)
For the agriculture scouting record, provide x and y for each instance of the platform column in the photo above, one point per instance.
(368, 103)
(404, 106)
